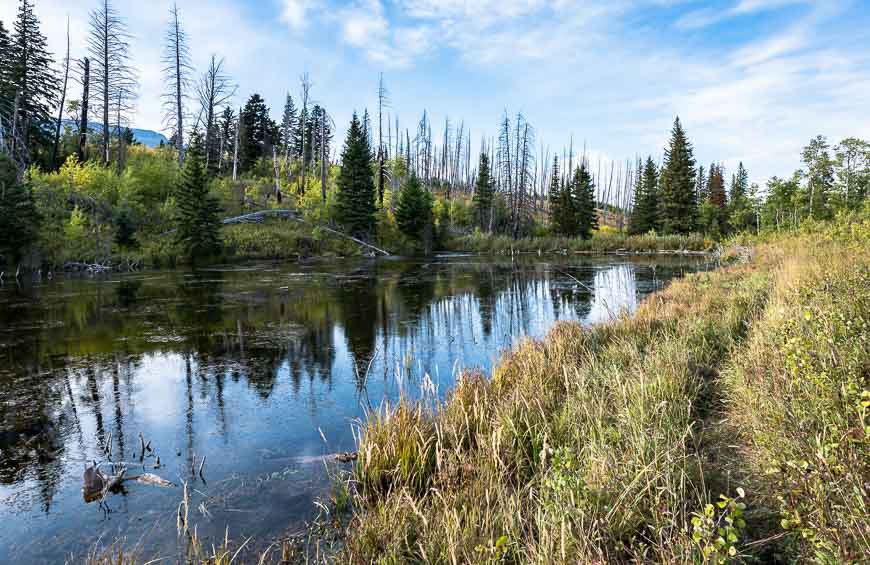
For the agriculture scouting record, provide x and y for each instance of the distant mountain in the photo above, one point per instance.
(146, 137)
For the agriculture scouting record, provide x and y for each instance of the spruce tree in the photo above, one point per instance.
(256, 132)
(557, 211)
(644, 217)
(701, 185)
(198, 211)
(484, 192)
(715, 213)
(414, 210)
(819, 177)
(356, 185)
(741, 216)
(677, 199)
(124, 226)
(7, 91)
(583, 193)
(289, 123)
(32, 79)
(19, 220)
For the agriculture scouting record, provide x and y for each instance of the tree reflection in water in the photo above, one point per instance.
(250, 367)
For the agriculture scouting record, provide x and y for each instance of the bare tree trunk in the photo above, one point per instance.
(382, 98)
(106, 73)
(277, 173)
(62, 99)
(120, 136)
(236, 149)
(324, 166)
(306, 87)
(221, 155)
(179, 128)
(83, 126)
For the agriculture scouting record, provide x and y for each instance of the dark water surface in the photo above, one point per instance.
(261, 369)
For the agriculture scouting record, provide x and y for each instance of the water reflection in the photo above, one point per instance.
(253, 368)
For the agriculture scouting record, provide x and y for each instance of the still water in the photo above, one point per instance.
(260, 369)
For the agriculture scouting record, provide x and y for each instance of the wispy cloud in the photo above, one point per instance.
(705, 17)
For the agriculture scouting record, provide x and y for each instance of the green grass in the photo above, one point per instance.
(600, 242)
(725, 420)
(279, 239)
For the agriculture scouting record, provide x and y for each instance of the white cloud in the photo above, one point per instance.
(708, 16)
(295, 12)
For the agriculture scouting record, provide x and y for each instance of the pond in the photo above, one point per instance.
(260, 369)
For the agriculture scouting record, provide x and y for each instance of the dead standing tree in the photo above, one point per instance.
(305, 84)
(109, 48)
(60, 110)
(383, 102)
(83, 124)
(214, 90)
(176, 74)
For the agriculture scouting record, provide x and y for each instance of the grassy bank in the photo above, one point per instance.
(726, 419)
(281, 239)
(600, 242)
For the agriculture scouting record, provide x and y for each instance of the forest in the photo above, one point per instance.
(721, 414)
(79, 191)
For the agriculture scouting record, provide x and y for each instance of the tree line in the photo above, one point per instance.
(70, 164)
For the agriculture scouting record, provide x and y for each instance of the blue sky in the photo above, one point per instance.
(752, 80)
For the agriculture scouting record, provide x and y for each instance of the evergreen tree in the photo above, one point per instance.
(714, 211)
(20, 219)
(256, 133)
(561, 207)
(317, 133)
(289, 123)
(414, 210)
(484, 192)
(366, 128)
(584, 214)
(7, 91)
(741, 215)
(227, 134)
(32, 79)
(356, 186)
(677, 199)
(644, 217)
(198, 211)
(701, 185)
(819, 177)
(125, 227)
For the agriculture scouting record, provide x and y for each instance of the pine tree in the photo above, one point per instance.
(256, 132)
(819, 177)
(714, 211)
(20, 219)
(198, 211)
(32, 79)
(701, 185)
(585, 215)
(356, 186)
(484, 192)
(741, 216)
(227, 136)
(289, 123)
(124, 226)
(560, 207)
(644, 218)
(7, 91)
(414, 210)
(677, 199)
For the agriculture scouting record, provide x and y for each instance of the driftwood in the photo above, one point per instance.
(94, 268)
(96, 485)
(259, 217)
